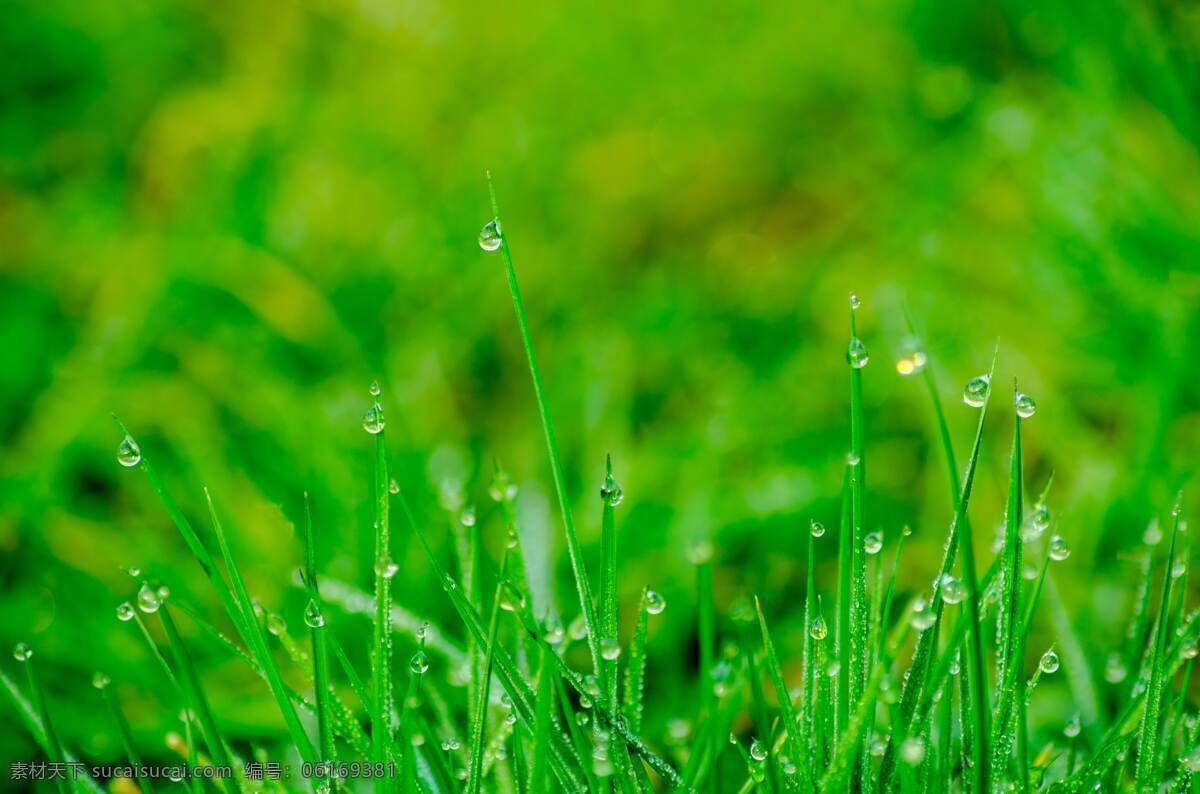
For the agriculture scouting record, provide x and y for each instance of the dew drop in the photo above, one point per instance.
(591, 685)
(1178, 569)
(852, 459)
(125, 612)
(1072, 728)
(374, 389)
(610, 649)
(468, 516)
(393, 486)
(22, 652)
(129, 454)
(419, 663)
(817, 628)
(856, 354)
(816, 528)
(854, 301)
(1058, 550)
(976, 391)
(386, 567)
(1191, 759)
(610, 492)
(490, 235)
(511, 539)
(655, 603)
(578, 629)
(312, 615)
(1190, 648)
(757, 751)
(923, 616)
(953, 590)
(1048, 662)
(101, 681)
(448, 583)
(1114, 670)
(148, 599)
(276, 625)
(1024, 404)
(873, 542)
(1040, 518)
(373, 420)
(912, 750)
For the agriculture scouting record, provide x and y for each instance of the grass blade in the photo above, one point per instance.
(381, 639)
(479, 722)
(859, 617)
(787, 712)
(315, 619)
(126, 733)
(635, 668)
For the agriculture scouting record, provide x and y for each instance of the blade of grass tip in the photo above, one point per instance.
(103, 683)
(155, 650)
(787, 711)
(197, 702)
(610, 496)
(255, 637)
(574, 551)
(859, 618)
(479, 721)
(314, 618)
(1010, 676)
(51, 743)
(635, 668)
(381, 639)
(1148, 732)
(842, 637)
(704, 600)
(917, 687)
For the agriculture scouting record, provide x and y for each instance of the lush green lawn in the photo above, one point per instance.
(221, 222)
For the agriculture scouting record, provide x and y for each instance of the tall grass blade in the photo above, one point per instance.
(479, 720)
(314, 617)
(635, 668)
(381, 640)
(127, 741)
(791, 725)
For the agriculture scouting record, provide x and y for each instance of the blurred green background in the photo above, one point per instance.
(221, 220)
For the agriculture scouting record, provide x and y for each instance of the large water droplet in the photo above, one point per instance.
(856, 354)
(1189, 648)
(816, 528)
(818, 629)
(578, 629)
(1058, 550)
(1114, 670)
(276, 624)
(148, 599)
(976, 391)
(393, 486)
(129, 454)
(953, 590)
(490, 235)
(386, 567)
(125, 612)
(101, 681)
(655, 603)
(1191, 759)
(1024, 404)
(912, 750)
(757, 751)
(923, 615)
(373, 420)
(1049, 662)
(610, 492)
(467, 517)
(854, 301)
(312, 615)
(610, 649)
(1072, 728)
(873, 542)
(22, 652)
(419, 663)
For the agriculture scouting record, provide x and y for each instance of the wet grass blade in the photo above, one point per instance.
(1148, 732)
(574, 550)
(635, 668)
(610, 496)
(787, 712)
(479, 720)
(758, 712)
(256, 639)
(381, 638)
(314, 617)
(50, 741)
(197, 701)
(541, 732)
(859, 617)
(842, 637)
(126, 732)
(704, 601)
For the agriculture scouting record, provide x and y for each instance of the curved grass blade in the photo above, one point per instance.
(787, 712)
(50, 741)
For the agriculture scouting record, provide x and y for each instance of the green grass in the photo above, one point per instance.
(544, 710)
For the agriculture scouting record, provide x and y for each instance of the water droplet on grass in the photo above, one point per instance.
(856, 354)
(757, 751)
(490, 236)
(125, 612)
(1191, 759)
(817, 628)
(610, 649)
(393, 486)
(312, 615)
(1049, 662)
(976, 391)
(22, 652)
(912, 750)
(129, 454)
(276, 625)
(1114, 670)
(148, 599)
(1025, 405)
(854, 301)
(101, 681)
(373, 420)
(655, 603)
(419, 663)
(923, 616)
(816, 528)
(1072, 728)
(1189, 649)
(578, 629)
(953, 590)
(873, 542)
(610, 492)
(1058, 550)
